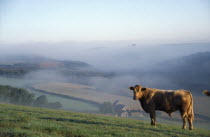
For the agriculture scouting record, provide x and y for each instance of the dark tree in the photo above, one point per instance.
(41, 101)
(107, 107)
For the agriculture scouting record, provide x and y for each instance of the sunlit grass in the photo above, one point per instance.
(28, 121)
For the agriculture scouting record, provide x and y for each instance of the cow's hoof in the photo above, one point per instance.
(154, 124)
(184, 127)
(191, 128)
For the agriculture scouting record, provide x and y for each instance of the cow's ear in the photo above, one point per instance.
(143, 89)
(131, 88)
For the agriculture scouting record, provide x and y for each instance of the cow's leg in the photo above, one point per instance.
(190, 120)
(184, 118)
(153, 118)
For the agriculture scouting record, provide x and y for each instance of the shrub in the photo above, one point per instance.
(16, 95)
(41, 101)
(107, 107)
(21, 96)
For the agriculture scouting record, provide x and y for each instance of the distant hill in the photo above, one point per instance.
(40, 61)
(199, 60)
(190, 72)
(18, 66)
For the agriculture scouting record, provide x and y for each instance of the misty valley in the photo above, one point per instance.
(82, 87)
(104, 68)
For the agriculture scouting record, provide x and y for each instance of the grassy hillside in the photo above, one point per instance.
(27, 121)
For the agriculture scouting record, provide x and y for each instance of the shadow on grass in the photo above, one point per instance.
(149, 127)
(22, 110)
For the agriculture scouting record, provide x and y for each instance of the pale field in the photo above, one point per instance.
(87, 93)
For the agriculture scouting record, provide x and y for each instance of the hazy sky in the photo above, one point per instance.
(166, 21)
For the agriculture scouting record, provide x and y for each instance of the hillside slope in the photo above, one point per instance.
(190, 72)
(27, 121)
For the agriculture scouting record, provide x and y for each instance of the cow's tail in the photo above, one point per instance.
(190, 111)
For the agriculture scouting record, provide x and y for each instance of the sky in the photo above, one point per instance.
(161, 21)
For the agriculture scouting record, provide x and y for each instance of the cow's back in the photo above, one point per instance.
(170, 101)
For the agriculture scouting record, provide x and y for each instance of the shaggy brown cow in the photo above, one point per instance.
(206, 92)
(167, 101)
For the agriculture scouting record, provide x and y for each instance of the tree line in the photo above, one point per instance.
(21, 96)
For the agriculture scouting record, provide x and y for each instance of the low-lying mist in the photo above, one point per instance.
(107, 56)
(127, 63)
(41, 76)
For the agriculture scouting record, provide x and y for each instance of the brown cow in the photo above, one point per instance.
(167, 101)
(206, 92)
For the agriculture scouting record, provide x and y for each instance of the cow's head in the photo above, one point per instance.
(137, 91)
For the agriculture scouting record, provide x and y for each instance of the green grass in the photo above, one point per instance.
(21, 121)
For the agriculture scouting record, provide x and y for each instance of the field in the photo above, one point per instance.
(86, 93)
(68, 104)
(24, 121)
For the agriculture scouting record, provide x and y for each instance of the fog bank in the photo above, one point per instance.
(109, 56)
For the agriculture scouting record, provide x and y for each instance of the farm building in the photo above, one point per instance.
(123, 110)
